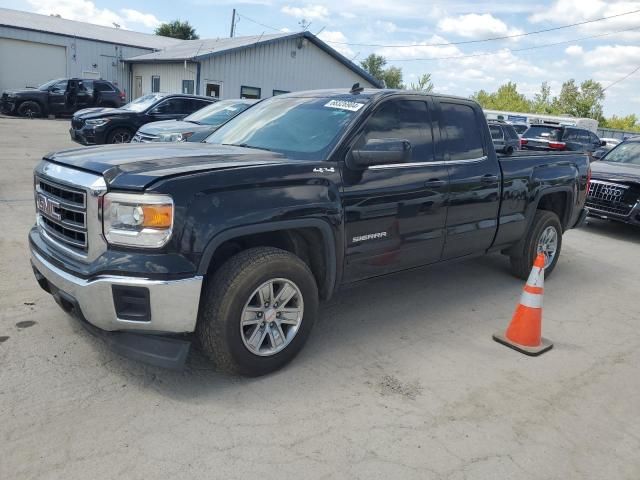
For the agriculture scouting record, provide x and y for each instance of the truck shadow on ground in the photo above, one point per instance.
(425, 304)
(611, 229)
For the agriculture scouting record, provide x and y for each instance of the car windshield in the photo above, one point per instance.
(49, 84)
(624, 153)
(301, 128)
(549, 133)
(142, 103)
(218, 113)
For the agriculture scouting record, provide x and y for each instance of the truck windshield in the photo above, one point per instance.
(142, 103)
(624, 153)
(301, 128)
(218, 113)
(539, 131)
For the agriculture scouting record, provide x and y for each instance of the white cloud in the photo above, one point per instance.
(308, 12)
(473, 25)
(388, 27)
(621, 56)
(584, 10)
(147, 19)
(421, 49)
(574, 50)
(336, 36)
(87, 11)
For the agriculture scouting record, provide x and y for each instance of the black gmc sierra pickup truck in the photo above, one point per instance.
(237, 240)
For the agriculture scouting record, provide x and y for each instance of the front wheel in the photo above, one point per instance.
(119, 135)
(544, 236)
(257, 311)
(29, 109)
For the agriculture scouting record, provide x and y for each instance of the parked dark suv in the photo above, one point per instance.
(95, 126)
(558, 137)
(61, 96)
(504, 136)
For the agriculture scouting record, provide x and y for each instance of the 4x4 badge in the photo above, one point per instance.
(324, 170)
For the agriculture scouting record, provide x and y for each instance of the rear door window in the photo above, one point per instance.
(496, 132)
(402, 120)
(462, 139)
(174, 106)
(103, 87)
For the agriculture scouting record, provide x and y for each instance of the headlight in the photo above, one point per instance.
(98, 122)
(137, 220)
(174, 137)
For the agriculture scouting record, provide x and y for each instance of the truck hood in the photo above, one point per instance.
(23, 91)
(134, 167)
(615, 171)
(173, 126)
(99, 112)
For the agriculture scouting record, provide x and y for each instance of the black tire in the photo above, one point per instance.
(522, 262)
(509, 151)
(29, 109)
(119, 135)
(225, 295)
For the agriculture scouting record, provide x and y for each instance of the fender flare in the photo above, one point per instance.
(533, 206)
(325, 229)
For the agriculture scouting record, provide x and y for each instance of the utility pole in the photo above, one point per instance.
(233, 23)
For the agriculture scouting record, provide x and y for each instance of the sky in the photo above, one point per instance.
(415, 35)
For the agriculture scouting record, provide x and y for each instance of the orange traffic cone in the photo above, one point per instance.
(525, 331)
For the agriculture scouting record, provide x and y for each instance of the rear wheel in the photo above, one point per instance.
(509, 151)
(544, 236)
(257, 311)
(119, 135)
(29, 109)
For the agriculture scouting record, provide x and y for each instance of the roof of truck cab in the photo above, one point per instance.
(368, 93)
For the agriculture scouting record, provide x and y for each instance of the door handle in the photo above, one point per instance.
(489, 178)
(435, 183)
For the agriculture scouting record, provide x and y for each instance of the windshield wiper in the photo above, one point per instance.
(245, 145)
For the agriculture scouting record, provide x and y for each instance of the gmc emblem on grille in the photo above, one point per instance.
(48, 207)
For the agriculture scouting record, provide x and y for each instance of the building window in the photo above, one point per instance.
(155, 83)
(280, 92)
(250, 92)
(187, 86)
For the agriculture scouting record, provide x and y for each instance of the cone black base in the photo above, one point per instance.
(545, 345)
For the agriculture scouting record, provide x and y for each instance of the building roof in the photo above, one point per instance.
(195, 50)
(89, 31)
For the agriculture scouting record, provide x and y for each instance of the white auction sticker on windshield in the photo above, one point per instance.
(345, 105)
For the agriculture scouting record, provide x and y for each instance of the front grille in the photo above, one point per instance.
(62, 213)
(77, 122)
(611, 198)
(144, 138)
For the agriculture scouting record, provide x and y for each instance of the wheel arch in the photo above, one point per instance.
(296, 236)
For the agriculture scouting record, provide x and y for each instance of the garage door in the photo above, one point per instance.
(45, 62)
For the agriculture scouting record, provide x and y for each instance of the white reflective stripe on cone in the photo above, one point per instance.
(531, 300)
(536, 277)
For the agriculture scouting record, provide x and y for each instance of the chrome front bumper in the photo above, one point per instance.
(173, 303)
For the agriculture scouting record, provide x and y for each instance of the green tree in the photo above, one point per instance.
(589, 103)
(374, 64)
(542, 101)
(177, 29)
(424, 83)
(506, 97)
(392, 76)
(628, 122)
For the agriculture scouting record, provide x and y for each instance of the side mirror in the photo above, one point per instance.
(380, 151)
(603, 143)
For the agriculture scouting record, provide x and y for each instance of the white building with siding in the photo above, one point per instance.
(249, 67)
(37, 48)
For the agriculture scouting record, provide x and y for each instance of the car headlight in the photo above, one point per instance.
(137, 220)
(98, 122)
(174, 137)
